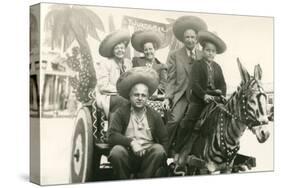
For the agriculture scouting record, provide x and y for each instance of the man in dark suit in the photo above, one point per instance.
(137, 133)
(180, 64)
(207, 82)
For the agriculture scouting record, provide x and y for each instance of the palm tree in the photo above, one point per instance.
(68, 23)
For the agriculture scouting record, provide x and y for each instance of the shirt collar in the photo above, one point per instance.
(193, 51)
(209, 64)
(132, 110)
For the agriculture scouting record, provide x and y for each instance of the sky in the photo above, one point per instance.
(248, 37)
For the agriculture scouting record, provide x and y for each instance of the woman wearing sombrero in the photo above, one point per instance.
(147, 42)
(207, 82)
(113, 48)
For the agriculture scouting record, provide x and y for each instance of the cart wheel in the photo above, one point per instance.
(82, 148)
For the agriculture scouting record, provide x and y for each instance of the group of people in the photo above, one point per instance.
(189, 80)
(113, 47)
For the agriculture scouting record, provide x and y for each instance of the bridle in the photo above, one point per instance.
(248, 118)
(245, 118)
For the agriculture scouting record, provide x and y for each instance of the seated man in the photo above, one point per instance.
(136, 131)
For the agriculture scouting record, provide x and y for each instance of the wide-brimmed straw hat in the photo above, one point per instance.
(136, 75)
(188, 22)
(206, 36)
(139, 38)
(108, 43)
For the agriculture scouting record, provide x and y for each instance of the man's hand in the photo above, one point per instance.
(218, 91)
(166, 104)
(137, 148)
(208, 98)
(223, 99)
(176, 158)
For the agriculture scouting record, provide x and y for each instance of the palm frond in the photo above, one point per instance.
(70, 23)
(89, 21)
(69, 37)
(91, 17)
(60, 26)
(111, 23)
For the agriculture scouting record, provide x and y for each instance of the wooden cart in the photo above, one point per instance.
(89, 144)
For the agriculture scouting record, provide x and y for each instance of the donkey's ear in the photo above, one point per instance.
(245, 76)
(258, 72)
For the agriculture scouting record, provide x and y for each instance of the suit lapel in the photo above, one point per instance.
(216, 73)
(205, 68)
(150, 119)
(198, 54)
(142, 62)
(126, 115)
(186, 60)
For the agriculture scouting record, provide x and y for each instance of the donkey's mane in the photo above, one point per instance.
(237, 92)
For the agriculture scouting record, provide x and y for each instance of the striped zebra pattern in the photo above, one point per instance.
(227, 123)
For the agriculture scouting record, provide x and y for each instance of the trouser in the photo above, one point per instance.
(174, 119)
(187, 124)
(125, 162)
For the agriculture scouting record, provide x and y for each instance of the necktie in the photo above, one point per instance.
(192, 55)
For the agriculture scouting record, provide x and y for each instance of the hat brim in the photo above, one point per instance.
(107, 45)
(206, 36)
(139, 38)
(136, 75)
(188, 22)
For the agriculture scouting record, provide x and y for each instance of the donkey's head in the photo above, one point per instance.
(254, 102)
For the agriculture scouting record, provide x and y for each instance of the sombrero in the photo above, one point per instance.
(136, 75)
(188, 22)
(206, 36)
(139, 38)
(108, 43)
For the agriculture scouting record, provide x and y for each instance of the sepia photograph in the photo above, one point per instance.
(127, 93)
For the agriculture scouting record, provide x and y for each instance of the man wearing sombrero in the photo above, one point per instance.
(137, 133)
(108, 71)
(207, 83)
(147, 42)
(180, 64)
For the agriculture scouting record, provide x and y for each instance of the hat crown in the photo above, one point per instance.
(108, 43)
(207, 36)
(139, 38)
(145, 75)
(188, 22)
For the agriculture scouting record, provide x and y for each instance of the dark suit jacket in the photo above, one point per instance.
(119, 123)
(159, 67)
(199, 79)
(179, 70)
